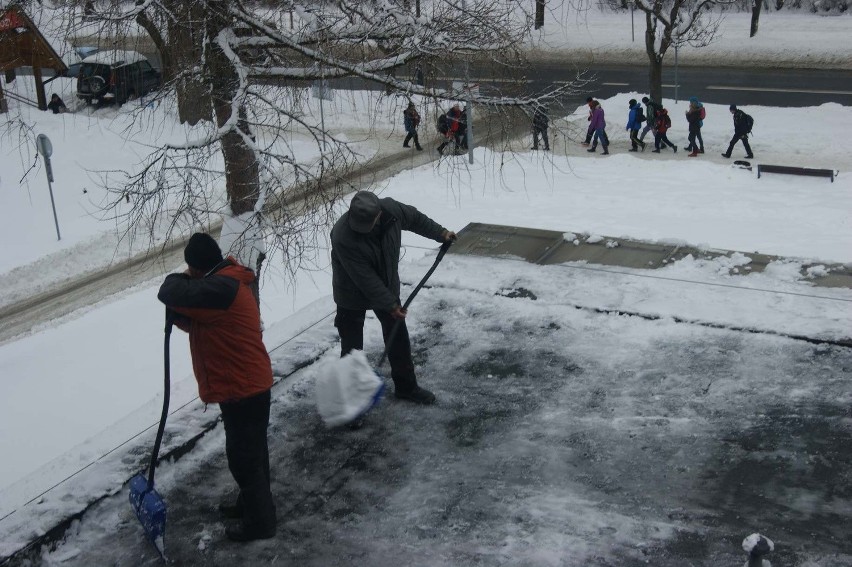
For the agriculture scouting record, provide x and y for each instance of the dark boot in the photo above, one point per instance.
(747, 147)
(418, 395)
(606, 150)
(232, 511)
(592, 149)
(242, 534)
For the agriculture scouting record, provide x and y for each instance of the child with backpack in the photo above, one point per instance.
(695, 117)
(635, 118)
(651, 108)
(411, 120)
(743, 124)
(448, 125)
(661, 126)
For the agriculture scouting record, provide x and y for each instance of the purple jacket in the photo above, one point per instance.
(598, 121)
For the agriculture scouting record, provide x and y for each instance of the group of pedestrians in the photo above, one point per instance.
(453, 126)
(656, 120)
(653, 117)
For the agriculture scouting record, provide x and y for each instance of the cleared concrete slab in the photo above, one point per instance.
(553, 247)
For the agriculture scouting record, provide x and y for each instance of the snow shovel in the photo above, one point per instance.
(149, 506)
(444, 247)
(347, 388)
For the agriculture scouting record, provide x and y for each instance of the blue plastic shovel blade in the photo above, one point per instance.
(150, 508)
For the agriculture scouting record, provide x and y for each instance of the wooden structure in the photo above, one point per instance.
(22, 45)
(762, 168)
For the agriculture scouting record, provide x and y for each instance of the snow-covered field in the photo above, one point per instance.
(82, 386)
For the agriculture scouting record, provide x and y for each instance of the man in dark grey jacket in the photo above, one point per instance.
(365, 244)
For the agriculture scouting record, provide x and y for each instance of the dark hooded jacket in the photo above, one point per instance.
(365, 267)
(220, 313)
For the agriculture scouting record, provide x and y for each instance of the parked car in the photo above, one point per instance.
(116, 76)
(74, 59)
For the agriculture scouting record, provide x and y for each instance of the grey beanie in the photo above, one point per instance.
(363, 211)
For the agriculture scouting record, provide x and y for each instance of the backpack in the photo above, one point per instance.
(640, 117)
(703, 114)
(443, 124)
(749, 122)
(667, 120)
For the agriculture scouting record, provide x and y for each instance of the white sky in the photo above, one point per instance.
(84, 384)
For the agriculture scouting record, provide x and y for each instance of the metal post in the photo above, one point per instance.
(322, 105)
(632, 28)
(469, 102)
(469, 135)
(45, 148)
(676, 84)
(52, 203)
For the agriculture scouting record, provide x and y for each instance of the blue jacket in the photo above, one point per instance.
(632, 123)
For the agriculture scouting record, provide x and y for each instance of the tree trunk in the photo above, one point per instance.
(539, 14)
(154, 33)
(756, 5)
(186, 37)
(655, 79)
(242, 170)
(242, 179)
(655, 61)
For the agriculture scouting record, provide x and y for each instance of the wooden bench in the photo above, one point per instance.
(763, 168)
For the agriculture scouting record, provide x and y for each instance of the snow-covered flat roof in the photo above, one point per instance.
(115, 57)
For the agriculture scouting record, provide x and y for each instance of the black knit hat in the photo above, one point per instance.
(645, 99)
(363, 211)
(202, 252)
(732, 107)
(632, 103)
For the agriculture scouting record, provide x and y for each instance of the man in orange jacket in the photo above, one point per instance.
(213, 302)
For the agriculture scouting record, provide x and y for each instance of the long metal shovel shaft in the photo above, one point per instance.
(444, 247)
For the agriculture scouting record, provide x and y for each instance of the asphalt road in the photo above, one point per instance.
(720, 85)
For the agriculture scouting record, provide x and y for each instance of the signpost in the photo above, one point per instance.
(45, 148)
(321, 90)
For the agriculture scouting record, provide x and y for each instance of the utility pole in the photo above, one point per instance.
(469, 105)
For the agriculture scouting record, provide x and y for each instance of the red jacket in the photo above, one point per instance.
(221, 316)
(663, 121)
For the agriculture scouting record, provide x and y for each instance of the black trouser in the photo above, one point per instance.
(411, 134)
(543, 132)
(735, 139)
(350, 327)
(246, 421)
(634, 139)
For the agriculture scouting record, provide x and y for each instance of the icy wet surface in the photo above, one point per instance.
(561, 437)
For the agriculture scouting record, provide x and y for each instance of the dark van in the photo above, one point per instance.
(116, 76)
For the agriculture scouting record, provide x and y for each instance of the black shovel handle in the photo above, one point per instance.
(166, 393)
(444, 247)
